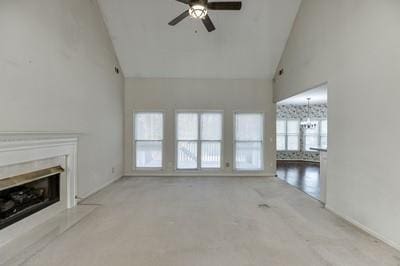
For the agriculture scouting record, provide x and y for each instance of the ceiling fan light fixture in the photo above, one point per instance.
(198, 11)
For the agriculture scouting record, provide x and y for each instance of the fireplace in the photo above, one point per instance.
(26, 194)
(31, 152)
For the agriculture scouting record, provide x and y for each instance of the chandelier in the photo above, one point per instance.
(308, 124)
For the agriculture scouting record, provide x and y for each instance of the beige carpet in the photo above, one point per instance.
(211, 222)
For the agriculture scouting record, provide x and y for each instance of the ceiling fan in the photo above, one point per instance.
(198, 9)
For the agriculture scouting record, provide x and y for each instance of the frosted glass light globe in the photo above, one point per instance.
(198, 11)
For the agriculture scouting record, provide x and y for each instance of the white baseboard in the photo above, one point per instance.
(94, 191)
(365, 228)
(198, 175)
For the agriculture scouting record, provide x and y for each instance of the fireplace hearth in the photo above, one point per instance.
(24, 195)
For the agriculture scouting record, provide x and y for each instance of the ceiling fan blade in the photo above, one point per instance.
(179, 18)
(183, 1)
(208, 23)
(225, 5)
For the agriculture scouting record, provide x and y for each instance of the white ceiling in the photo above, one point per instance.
(246, 44)
(318, 96)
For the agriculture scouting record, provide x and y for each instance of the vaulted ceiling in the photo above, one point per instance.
(246, 44)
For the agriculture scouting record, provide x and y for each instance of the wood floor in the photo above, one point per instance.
(211, 222)
(303, 175)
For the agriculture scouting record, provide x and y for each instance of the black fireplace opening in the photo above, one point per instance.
(21, 201)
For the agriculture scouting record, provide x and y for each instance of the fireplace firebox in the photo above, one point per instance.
(24, 195)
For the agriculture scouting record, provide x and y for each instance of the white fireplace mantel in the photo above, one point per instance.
(17, 148)
(24, 152)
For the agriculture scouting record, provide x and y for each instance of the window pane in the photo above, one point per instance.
(249, 127)
(281, 142)
(293, 126)
(187, 126)
(293, 143)
(249, 155)
(210, 154)
(324, 127)
(149, 154)
(281, 127)
(149, 126)
(324, 142)
(187, 155)
(211, 126)
(311, 142)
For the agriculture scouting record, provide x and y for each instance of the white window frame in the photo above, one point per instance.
(235, 168)
(281, 135)
(134, 141)
(199, 140)
(286, 135)
(322, 135)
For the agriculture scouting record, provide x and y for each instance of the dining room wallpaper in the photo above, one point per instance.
(317, 111)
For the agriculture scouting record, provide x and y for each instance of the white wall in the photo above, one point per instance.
(354, 45)
(57, 74)
(199, 94)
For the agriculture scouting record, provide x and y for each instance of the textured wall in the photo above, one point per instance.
(317, 111)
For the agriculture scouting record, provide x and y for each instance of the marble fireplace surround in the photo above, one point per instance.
(26, 152)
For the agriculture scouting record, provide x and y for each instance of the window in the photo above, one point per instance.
(281, 135)
(249, 136)
(199, 140)
(288, 135)
(311, 137)
(149, 139)
(317, 137)
(211, 140)
(324, 134)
